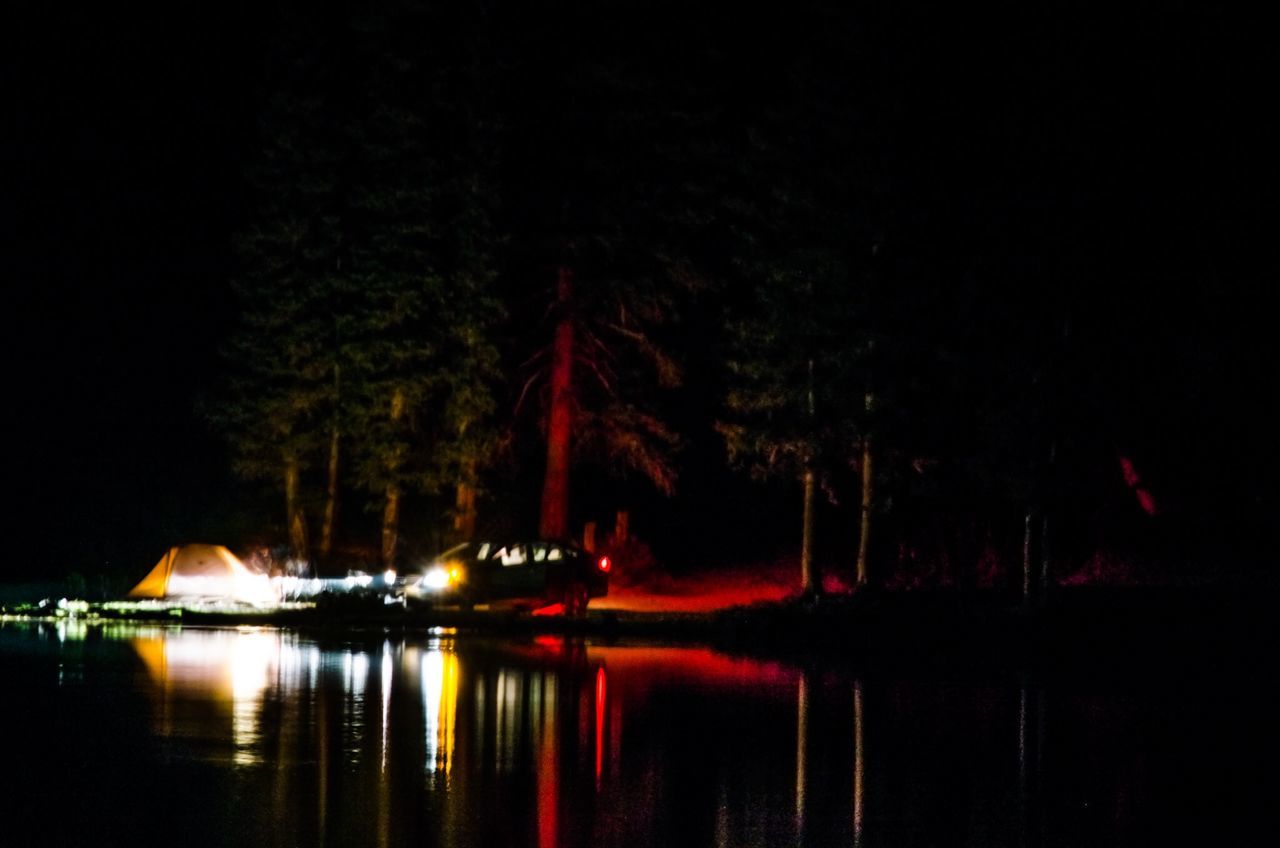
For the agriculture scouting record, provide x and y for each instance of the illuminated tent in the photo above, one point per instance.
(204, 571)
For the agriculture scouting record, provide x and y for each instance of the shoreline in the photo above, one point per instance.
(1130, 631)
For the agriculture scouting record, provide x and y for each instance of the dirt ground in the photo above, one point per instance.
(710, 591)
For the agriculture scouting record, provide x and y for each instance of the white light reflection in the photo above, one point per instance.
(230, 667)
(252, 658)
(355, 673)
(509, 717)
(72, 629)
(355, 676)
(432, 690)
(314, 668)
(386, 698)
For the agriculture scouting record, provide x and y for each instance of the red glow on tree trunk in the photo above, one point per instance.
(1131, 479)
(554, 522)
(1130, 473)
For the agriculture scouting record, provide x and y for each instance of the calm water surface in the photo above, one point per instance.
(127, 735)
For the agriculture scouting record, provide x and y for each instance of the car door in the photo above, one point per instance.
(518, 571)
(561, 568)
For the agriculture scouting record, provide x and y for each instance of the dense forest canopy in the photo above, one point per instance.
(942, 271)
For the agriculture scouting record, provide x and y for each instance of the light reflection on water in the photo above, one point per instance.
(441, 739)
(440, 706)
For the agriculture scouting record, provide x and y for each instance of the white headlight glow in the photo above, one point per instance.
(436, 577)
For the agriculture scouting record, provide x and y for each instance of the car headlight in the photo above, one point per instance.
(442, 575)
(437, 577)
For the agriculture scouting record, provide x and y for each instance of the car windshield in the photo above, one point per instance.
(509, 554)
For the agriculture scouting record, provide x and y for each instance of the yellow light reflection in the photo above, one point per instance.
(440, 703)
(549, 771)
(859, 766)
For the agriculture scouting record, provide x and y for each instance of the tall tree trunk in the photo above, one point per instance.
(330, 495)
(864, 522)
(464, 505)
(331, 482)
(810, 581)
(808, 578)
(1036, 553)
(294, 516)
(390, 525)
(621, 528)
(391, 509)
(1042, 580)
(554, 521)
(1028, 551)
(1046, 552)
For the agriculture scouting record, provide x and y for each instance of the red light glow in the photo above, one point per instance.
(605, 564)
(1130, 473)
(711, 590)
(1145, 499)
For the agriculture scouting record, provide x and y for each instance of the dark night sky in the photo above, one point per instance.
(124, 146)
(1132, 146)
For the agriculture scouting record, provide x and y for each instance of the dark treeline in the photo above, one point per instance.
(622, 252)
(918, 296)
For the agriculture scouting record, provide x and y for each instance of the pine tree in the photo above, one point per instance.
(597, 378)
(421, 249)
(590, 232)
(280, 400)
(366, 337)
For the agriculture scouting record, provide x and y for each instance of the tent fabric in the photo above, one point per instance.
(204, 571)
(153, 585)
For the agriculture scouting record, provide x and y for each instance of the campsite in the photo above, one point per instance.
(639, 423)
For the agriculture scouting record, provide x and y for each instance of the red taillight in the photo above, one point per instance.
(604, 564)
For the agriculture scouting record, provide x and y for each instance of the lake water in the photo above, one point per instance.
(120, 734)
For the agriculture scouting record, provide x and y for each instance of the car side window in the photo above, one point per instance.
(512, 555)
(539, 552)
(483, 552)
(555, 553)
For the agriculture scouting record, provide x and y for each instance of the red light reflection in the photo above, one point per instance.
(642, 668)
(601, 701)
